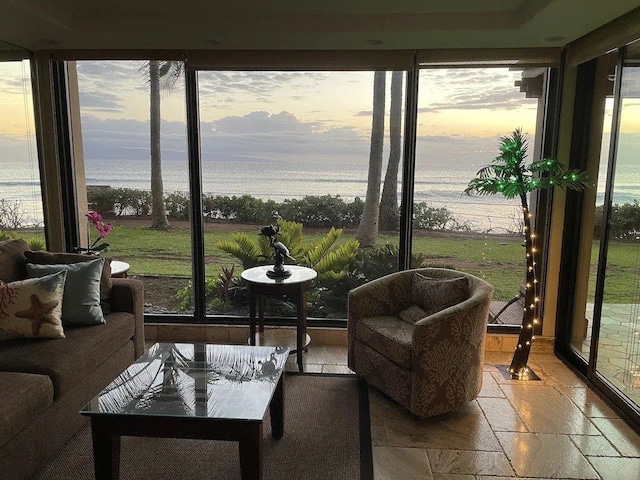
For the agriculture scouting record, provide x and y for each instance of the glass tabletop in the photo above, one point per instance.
(195, 380)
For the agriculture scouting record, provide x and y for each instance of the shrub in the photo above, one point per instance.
(624, 223)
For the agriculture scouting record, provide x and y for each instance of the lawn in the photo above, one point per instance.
(497, 259)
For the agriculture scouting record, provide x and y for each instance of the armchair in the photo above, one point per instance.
(429, 365)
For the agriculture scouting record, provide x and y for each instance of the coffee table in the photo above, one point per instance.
(197, 391)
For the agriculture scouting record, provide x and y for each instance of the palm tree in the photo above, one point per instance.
(389, 215)
(163, 75)
(367, 233)
(510, 176)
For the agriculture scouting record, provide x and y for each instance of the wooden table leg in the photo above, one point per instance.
(252, 315)
(301, 327)
(276, 409)
(106, 450)
(251, 452)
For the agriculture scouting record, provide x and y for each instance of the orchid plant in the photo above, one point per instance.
(103, 230)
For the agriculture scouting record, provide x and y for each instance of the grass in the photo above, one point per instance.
(148, 251)
(499, 260)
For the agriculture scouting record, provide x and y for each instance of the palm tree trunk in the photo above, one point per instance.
(518, 367)
(368, 229)
(389, 214)
(158, 212)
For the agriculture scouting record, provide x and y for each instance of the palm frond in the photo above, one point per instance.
(323, 247)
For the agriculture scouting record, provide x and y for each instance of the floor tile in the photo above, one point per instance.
(342, 369)
(490, 387)
(469, 462)
(621, 436)
(587, 401)
(457, 476)
(617, 468)
(594, 445)
(545, 455)
(501, 415)
(400, 464)
(543, 409)
(464, 429)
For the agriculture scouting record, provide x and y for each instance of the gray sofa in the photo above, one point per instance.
(45, 382)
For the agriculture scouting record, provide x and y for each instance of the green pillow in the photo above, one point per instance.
(81, 299)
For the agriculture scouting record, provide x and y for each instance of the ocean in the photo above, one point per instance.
(439, 185)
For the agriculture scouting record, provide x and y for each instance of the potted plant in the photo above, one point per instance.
(510, 176)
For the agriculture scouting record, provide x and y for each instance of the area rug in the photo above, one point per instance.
(327, 436)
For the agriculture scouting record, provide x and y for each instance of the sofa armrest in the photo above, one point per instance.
(127, 295)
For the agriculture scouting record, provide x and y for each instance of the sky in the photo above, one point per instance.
(294, 115)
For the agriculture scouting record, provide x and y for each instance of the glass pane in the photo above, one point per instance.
(582, 325)
(618, 357)
(20, 193)
(299, 143)
(133, 117)
(462, 114)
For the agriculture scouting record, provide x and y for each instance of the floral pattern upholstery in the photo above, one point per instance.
(446, 348)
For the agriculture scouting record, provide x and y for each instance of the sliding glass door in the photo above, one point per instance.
(617, 308)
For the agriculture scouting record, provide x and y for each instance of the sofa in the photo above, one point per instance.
(44, 382)
(418, 336)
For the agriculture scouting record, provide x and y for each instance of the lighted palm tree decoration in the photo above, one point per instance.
(508, 175)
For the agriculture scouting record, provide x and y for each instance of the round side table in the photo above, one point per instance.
(295, 286)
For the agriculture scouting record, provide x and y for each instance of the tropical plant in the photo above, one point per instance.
(389, 213)
(367, 233)
(510, 176)
(327, 257)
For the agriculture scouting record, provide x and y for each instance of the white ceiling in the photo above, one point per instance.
(301, 24)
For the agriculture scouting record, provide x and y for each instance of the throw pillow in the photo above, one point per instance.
(412, 314)
(50, 258)
(11, 260)
(81, 301)
(32, 307)
(435, 294)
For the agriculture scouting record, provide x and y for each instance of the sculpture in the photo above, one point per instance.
(280, 252)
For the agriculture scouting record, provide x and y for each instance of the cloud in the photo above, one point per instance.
(103, 101)
(257, 135)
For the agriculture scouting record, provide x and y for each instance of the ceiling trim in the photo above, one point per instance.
(615, 34)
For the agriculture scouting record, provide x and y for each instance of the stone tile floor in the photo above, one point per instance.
(555, 428)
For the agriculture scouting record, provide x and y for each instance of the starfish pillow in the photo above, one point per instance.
(32, 308)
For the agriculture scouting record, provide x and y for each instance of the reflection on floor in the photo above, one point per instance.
(618, 346)
(554, 428)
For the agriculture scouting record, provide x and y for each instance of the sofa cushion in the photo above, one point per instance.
(49, 258)
(12, 260)
(73, 359)
(389, 336)
(23, 396)
(435, 294)
(32, 307)
(81, 300)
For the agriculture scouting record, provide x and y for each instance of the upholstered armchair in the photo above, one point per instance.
(418, 336)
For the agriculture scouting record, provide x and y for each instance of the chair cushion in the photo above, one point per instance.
(81, 300)
(32, 307)
(389, 336)
(435, 294)
(12, 260)
(72, 359)
(23, 396)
